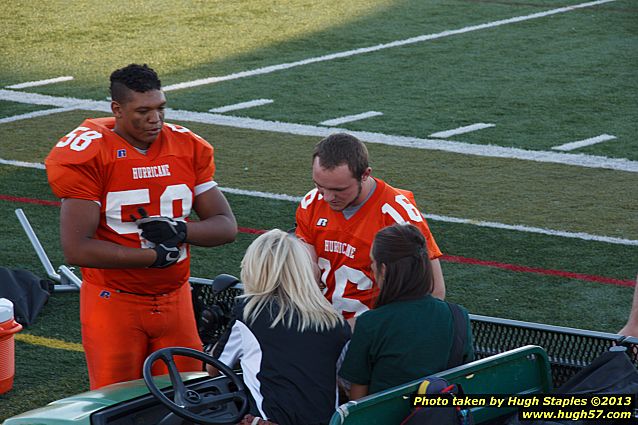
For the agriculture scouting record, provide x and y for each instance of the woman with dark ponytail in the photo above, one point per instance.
(409, 334)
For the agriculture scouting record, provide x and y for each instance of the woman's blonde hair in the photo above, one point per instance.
(277, 267)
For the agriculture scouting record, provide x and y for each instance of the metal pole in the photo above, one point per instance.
(69, 278)
(35, 242)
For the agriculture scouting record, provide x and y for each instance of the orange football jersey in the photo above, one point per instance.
(343, 245)
(92, 162)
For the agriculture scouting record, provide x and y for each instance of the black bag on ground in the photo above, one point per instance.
(26, 291)
(610, 373)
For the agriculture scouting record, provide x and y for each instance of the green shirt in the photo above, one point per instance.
(400, 342)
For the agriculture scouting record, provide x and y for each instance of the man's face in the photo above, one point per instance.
(139, 119)
(337, 186)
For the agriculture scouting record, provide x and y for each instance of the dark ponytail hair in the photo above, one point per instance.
(408, 271)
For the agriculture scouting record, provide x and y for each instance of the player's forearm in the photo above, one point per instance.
(79, 219)
(216, 230)
(102, 254)
(217, 224)
(631, 328)
(357, 391)
(438, 289)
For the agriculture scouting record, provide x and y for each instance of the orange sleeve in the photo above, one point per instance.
(78, 181)
(303, 217)
(204, 161)
(75, 173)
(433, 249)
(302, 230)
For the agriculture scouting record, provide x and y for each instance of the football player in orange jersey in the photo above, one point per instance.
(128, 184)
(340, 217)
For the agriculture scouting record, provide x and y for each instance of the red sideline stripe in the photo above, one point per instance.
(525, 269)
(29, 200)
(448, 258)
(251, 231)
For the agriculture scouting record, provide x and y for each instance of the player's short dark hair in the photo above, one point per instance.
(341, 148)
(139, 78)
(408, 271)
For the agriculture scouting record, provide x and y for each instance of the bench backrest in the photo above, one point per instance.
(524, 370)
(568, 349)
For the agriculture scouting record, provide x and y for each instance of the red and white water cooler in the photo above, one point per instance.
(8, 327)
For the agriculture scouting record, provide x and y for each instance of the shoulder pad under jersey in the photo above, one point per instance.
(81, 144)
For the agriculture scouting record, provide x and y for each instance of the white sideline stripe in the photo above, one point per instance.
(528, 229)
(257, 194)
(40, 82)
(242, 105)
(350, 118)
(434, 217)
(583, 143)
(34, 114)
(22, 164)
(461, 130)
(491, 151)
(398, 43)
(447, 219)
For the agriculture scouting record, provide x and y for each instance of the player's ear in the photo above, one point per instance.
(366, 174)
(116, 108)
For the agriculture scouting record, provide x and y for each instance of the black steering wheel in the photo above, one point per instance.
(189, 403)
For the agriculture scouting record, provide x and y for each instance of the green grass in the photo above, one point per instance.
(504, 76)
(182, 40)
(542, 82)
(8, 109)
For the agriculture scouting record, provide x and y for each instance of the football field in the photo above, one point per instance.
(513, 122)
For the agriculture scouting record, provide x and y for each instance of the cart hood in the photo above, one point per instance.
(77, 409)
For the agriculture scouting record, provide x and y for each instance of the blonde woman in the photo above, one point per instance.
(286, 335)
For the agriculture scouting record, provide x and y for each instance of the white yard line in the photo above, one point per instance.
(242, 105)
(582, 143)
(34, 114)
(350, 118)
(433, 217)
(40, 82)
(492, 151)
(59, 101)
(461, 130)
(398, 43)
